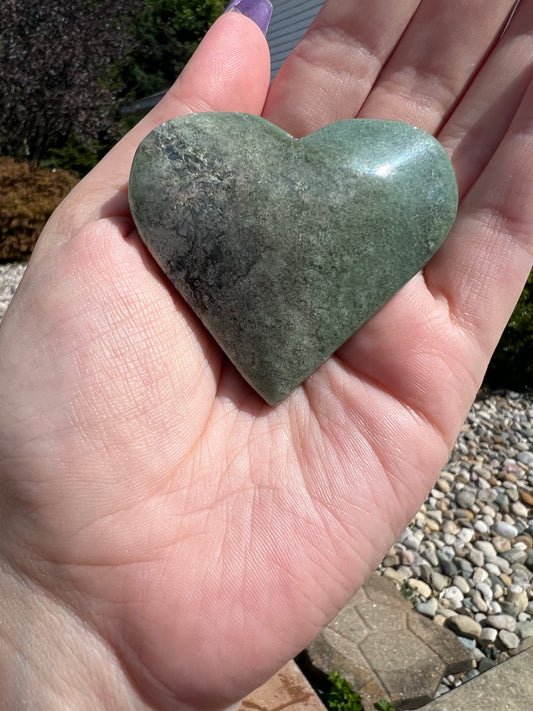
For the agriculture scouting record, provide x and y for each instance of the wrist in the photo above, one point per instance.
(50, 659)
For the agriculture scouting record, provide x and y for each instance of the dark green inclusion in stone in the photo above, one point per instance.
(284, 247)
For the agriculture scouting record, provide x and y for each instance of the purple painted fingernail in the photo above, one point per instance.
(260, 11)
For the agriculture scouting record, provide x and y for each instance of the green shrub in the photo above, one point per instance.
(165, 35)
(28, 196)
(511, 366)
(341, 696)
(75, 156)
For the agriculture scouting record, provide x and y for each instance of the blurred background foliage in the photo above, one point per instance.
(68, 67)
(511, 366)
(166, 33)
(60, 72)
(67, 70)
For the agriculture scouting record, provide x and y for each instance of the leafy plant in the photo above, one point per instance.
(384, 706)
(70, 66)
(511, 366)
(342, 696)
(410, 593)
(75, 155)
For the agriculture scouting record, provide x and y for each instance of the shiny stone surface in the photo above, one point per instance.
(284, 247)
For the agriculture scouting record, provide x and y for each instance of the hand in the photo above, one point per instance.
(168, 540)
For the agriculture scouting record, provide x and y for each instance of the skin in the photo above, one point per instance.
(167, 540)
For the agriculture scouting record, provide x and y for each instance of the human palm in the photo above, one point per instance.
(198, 536)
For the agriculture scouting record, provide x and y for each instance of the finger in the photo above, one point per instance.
(436, 59)
(482, 267)
(329, 74)
(229, 71)
(477, 126)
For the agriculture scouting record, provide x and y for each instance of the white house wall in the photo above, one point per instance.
(290, 19)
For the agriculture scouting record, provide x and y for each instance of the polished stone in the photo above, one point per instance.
(284, 247)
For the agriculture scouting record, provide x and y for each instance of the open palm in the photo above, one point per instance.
(194, 538)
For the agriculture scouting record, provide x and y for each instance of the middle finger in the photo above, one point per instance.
(330, 72)
(436, 59)
(406, 60)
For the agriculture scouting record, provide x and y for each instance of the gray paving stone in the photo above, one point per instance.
(409, 671)
(506, 687)
(386, 649)
(442, 642)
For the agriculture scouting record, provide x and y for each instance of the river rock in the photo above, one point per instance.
(525, 629)
(509, 639)
(516, 600)
(428, 608)
(420, 587)
(507, 530)
(464, 626)
(502, 622)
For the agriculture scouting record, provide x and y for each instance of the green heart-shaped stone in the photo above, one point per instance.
(285, 247)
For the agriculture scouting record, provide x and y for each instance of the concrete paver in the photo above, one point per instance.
(506, 687)
(387, 650)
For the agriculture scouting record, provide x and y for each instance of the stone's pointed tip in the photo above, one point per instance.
(260, 11)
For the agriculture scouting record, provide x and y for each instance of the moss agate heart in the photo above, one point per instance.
(284, 247)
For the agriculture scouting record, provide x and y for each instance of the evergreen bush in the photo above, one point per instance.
(511, 367)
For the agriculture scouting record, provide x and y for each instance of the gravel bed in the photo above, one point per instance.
(10, 276)
(466, 559)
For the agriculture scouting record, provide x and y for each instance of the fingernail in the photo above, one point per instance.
(260, 11)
